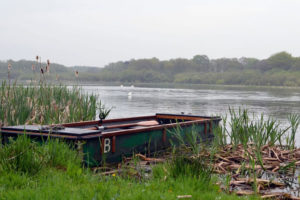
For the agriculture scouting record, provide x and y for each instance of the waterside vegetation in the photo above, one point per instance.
(44, 104)
(255, 155)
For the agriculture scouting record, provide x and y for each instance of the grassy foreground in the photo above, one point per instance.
(53, 171)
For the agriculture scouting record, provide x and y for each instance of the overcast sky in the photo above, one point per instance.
(95, 32)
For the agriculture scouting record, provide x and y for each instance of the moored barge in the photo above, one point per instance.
(112, 139)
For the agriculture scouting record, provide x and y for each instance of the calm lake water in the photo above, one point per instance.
(137, 101)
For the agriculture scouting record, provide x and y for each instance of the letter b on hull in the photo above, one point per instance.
(106, 145)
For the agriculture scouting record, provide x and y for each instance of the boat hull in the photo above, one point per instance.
(112, 145)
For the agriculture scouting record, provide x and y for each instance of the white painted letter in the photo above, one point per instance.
(106, 145)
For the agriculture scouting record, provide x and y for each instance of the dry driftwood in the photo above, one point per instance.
(273, 158)
(234, 160)
(184, 196)
(244, 192)
(110, 172)
(143, 157)
(260, 181)
(279, 195)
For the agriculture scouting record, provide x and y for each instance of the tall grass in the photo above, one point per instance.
(185, 161)
(245, 128)
(181, 166)
(294, 121)
(26, 156)
(44, 104)
(242, 129)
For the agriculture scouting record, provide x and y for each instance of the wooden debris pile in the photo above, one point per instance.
(242, 163)
(273, 195)
(245, 186)
(273, 159)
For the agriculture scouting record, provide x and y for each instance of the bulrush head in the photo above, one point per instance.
(76, 73)
(37, 58)
(48, 66)
(9, 67)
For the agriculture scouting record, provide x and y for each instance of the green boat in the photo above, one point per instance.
(113, 139)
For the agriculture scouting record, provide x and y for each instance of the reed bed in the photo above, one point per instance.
(245, 149)
(44, 104)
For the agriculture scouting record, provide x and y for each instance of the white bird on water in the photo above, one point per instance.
(129, 94)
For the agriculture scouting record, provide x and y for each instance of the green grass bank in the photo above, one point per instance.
(52, 171)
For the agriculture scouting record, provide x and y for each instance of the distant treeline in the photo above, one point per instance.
(280, 69)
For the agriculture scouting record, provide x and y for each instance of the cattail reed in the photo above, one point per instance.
(8, 72)
(9, 67)
(44, 104)
(48, 66)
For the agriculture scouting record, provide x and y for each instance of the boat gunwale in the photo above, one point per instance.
(116, 133)
(157, 115)
(156, 127)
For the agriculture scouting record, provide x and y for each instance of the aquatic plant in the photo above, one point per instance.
(103, 110)
(45, 104)
(220, 134)
(260, 131)
(294, 120)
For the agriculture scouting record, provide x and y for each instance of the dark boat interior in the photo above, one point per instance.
(105, 126)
